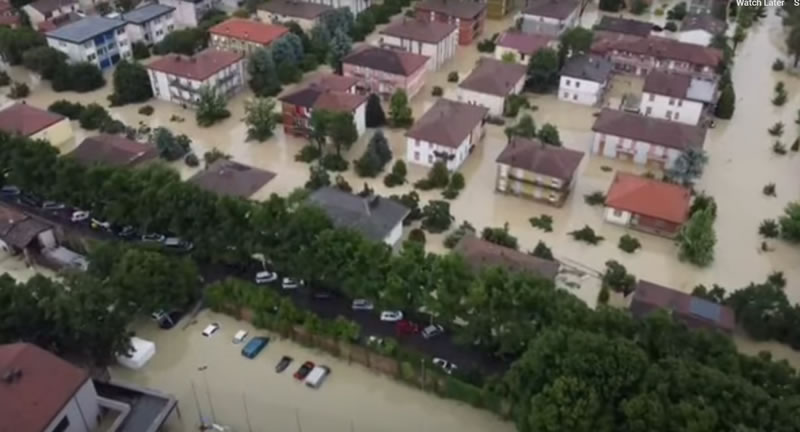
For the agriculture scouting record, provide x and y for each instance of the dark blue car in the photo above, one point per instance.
(252, 348)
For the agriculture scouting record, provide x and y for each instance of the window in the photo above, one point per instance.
(617, 213)
(566, 95)
(62, 425)
(575, 97)
(648, 111)
(567, 83)
(430, 159)
(120, 31)
(671, 101)
(577, 84)
(416, 155)
(677, 114)
(91, 57)
(669, 115)
(652, 97)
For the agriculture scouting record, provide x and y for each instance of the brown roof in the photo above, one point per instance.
(197, 67)
(336, 82)
(494, 77)
(40, 390)
(448, 123)
(58, 21)
(667, 84)
(480, 254)
(425, 31)
(47, 6)
(463, 9)
(113, 150)
(319, 97)
(660, 48)
(391, 61)
(705, 22)
(226, 177)
(694, 311)
(624, 26)
(17, 228)
(27, 120)
(293, 8)
(526, 43)
(558, 9)
(649, 197)
(537, 157)
(249, 30)
(666, 133)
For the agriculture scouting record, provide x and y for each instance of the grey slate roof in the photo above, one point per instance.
(624, 26)
(373, 217)
(146, 13)
(85, 29)
(587, 67)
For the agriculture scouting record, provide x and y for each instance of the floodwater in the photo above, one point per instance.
(233, 389)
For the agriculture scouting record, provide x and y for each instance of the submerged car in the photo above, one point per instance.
(391, 316)
(432, 331)
(292, 283)
(283, 364)
(444, 365)
(304, 370)
(362, 304)
(264, 277)
(210, 329)
(255, 346)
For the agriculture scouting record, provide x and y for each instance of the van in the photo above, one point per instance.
(317, 376)
(252, 348)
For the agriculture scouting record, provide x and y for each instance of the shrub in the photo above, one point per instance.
(769, 228)
(452, 77)
(93, 117)
(617, 278)
(454, 237)
(629, 243)
(417, 235)
(586, 234)
(146, 110)
(500, 236)
(780, 94)
(437, 91)
(438, 177)
(397, 176)
(191, 160)
(769, 190)
(342, 184)
(334, 162)
(19, 91)
(486, 46)
(513, 104)
(140, 50)
(776, 130)
(778, 148)
(795, 145)
(307, 154)
(603, 296)
(595, 198)
(542, 251)
(671, 26)
(4, 79)
(543, 222)
(66, 108)
(778, 65)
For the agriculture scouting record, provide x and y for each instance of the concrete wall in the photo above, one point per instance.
(187, 13)
(421, 152)
(153, 31)
(618, 217)
(355, 6)
(82, 411)
(547, 25)
(494, 103)
(580, 91)
(164, 89)
(639, 152)
(517, 181)
(667, 108)
(385, 83)
(467, 30)
(272, 18)
(438, 53)
(37, 17)
(57, 134)
(89, 52)
(360, 118)
(394, 236)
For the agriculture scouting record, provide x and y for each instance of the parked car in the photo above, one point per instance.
(79, 216)
(375, 341)
(405, 328)
(126, 232)
(176, 243)
(98, 224)
(322, 295)
(9, 191)
(240, 336)
(391, 316)
(317, 376)
(153, 238)
(283, 364)
(304, 370)
(291, 283)
(432, 331)
(264, 277)
(255, 346)
(445, 365)
(52, 206)
(167, 320)
(362, 304)
(30, 200)
(210, 329)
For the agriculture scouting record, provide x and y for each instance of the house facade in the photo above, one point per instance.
(149, 24)
(522, 46)
(35, 123)
(584, 80)
(331, 93)
(306, 14)
(436, 40)
(647, 205)
(498, 9)
(43, 10)
(490, 83)
(640, 56)
(535, 170)
(449, 131)
(643, 140)
(97, 40)
(355, 6)
(549, 17)
(468, 16)
(384, 71)
(243, 36)
(178, 78)
(189, 13)
(677, 98)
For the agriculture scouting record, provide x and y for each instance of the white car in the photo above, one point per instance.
(98, 224)
(210, 329)
(264, 277)
(79, 216)
(362, 304)
(432, 330)
(391, 316)
(292, 283)
(445, 365)
(240, 336)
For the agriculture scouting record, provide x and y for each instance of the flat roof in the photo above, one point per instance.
(85, 29)
(146, 13)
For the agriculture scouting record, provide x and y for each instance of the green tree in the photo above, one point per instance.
(688, 167)
(131, 84)
(790, 222)
(320, 41)
(400, 115)
(375, 157)
(617, 278)
(542, 251)
(15, 42)
(140, 51)
(318, 177)
(43, 60)
(611, 5)
(398, 174)
(260, 118)
(94, 116)
(500, 236)
(549, 135)
(726, 104)
(170, 147)
(342, 130)
(696, 239)
(792, 41)
(187, 42)
(214, 155)
(576, 40)
(738, 36)
(375, 116)
(525, 128)
(436, 216)
(263, 73)
(340, 46)
(66, 108)
(543, 71)
(211, 107)
(81, 77)
(567, 404)
(19, 91)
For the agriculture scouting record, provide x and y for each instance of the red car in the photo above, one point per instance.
(304, 370)
(405, 328)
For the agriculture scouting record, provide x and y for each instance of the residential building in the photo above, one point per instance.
(35, 123)
(695, 312)
(306, 14)
(149, 23)
(189, 13)
(228, 178)
(331, 93)
(679, 98)
(449, 131)
(436, 40)
(481, 254)
(59, 21)
(521, 45)
(700, 7)
(178, 78)
(42, 10)
(624, 26)
(379, 219)
(113, 150)
(549, 17)
(94, 39)
(640, 56)
(533, 169)
(469, 16)
(384, 71)
(243, 35)
(647, 205)
(355, 6)
(585, 79)
(491, 82)
(43, 393)
(644, 140)
(21, 233)
(498, 9)
(701, 29)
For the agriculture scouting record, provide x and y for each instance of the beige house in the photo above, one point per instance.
(35, 123)
(243, 36)
(305, 14)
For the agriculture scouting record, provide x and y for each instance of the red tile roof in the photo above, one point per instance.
(336, 82)
(27, 120)
(197, 67)
(43, 387)
(425, 31)
(649, 197)
(391, 61)
(667, 84)
(315, 96)
(526, 43)
(494, 77)
(660, 48)
(113, 150)
(249, 30)
(653, 130)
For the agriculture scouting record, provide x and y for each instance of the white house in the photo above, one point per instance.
(549, 17)
(149, 23)
(449, 131)
(188, 13)
(521, 45)
(584, 79)
(490, 83)
(304, 13)
(93, 39)
(437, 40)
(679, 98)
(355, 6)
(644, 140)
(701, 29)
(42, 10)
(178, 78)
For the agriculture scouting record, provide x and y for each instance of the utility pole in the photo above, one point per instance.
(208, 393)
(246, 414)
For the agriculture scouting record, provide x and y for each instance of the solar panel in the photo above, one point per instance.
(705, 309)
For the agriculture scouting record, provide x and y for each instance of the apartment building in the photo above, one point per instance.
(93, 39)
(178, 78)
(149, 23)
